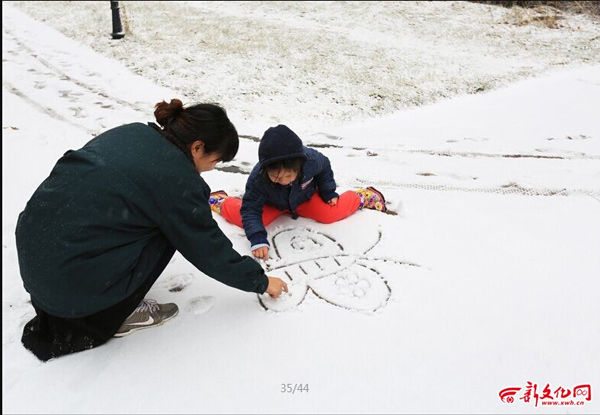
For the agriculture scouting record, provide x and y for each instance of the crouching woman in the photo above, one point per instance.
(100, 230)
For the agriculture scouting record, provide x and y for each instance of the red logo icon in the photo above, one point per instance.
(506, 395)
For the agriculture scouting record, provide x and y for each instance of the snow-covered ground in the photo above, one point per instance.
(487, 278)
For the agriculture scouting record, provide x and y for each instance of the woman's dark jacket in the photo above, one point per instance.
(83, 239)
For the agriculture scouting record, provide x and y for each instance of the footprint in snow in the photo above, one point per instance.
(177, 283)
(200, 305)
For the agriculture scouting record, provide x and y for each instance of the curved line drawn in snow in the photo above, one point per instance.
(312, 262)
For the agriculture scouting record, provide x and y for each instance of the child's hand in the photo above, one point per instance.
(333, 201)
(276, 287)
(262, 252)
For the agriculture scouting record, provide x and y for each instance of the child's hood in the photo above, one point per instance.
(279, 143)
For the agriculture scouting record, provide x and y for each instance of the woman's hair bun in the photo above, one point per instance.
(164, 112)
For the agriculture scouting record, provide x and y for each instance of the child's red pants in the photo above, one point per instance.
(315, 209)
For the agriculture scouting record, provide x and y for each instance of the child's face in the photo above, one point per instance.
(282, 176)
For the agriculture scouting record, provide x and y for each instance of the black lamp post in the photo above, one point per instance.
(117, 27)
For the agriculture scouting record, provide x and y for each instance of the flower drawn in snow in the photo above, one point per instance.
(313, 262)
(352, 284)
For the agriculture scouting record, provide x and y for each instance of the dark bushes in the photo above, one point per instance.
(586, 7)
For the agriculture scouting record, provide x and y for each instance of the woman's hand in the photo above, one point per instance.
(262, 252)
(333, 201)
(276, 287)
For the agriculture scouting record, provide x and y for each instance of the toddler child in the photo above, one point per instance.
(289, 178)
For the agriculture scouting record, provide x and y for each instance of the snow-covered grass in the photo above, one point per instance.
(322, 63)
(487, 278)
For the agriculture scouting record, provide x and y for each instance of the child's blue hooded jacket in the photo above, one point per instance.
(279, 143)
